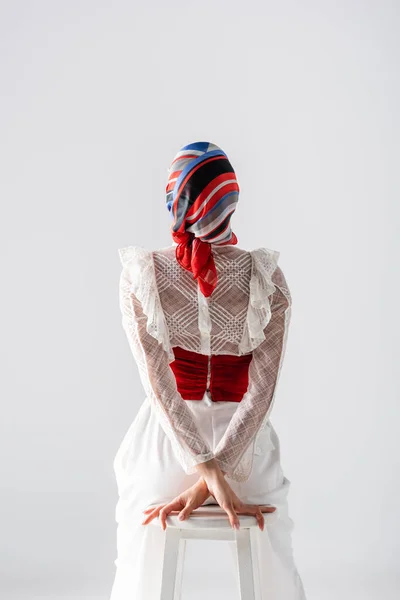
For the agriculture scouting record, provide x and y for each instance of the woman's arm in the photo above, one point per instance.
(159, 381)
(264, 371)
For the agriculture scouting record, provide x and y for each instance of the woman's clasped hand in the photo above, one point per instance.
(211, 482)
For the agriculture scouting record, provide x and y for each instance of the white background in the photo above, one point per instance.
(96, 99)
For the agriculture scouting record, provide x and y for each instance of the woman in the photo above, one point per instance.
(207, 324)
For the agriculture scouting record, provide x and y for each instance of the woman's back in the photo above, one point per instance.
(213, 325)
(230, 321)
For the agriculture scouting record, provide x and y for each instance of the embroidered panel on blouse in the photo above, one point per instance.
(212, 325)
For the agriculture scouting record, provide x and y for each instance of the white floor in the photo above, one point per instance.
(344, 590)
(329, 587)
(209, 573)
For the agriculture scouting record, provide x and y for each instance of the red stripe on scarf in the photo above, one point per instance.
(188, 176)
(225, 189)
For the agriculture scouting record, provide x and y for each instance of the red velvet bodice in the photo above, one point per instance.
(226, 374)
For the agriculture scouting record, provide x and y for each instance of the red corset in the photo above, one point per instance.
(227, 375)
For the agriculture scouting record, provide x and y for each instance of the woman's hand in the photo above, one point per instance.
(186, 502)
(226, 497)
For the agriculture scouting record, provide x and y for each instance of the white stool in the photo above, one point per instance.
(209, 522)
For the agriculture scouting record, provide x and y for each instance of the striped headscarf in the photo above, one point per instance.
(202, 193)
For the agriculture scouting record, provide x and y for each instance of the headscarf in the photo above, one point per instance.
(202, 193)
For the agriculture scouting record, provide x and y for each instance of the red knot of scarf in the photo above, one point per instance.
(196, 256)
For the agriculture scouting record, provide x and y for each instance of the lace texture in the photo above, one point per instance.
(249, 311)
(145, 337)
(139, 263)
(236, 449)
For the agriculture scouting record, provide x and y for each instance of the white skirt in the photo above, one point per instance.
(148, 473)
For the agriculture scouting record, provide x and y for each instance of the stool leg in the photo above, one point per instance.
(233, 552)
(254, 555)
(179, 569)
(245, 565)
(170, 562)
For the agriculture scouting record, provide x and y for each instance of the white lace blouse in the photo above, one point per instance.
(248, 312)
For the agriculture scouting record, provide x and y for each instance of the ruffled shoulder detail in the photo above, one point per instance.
(139, 265)
(264, 264)
(129, 252)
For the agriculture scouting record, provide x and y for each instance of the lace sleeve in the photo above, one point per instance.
(158, 380)
(234, 452)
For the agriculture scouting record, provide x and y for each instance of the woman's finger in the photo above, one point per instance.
(153, 514)
(250, 509)
(253, 510)
(167, 509)
(186, 511)
(233, 518)
(267, 508)
(256, 511)
(260, 519)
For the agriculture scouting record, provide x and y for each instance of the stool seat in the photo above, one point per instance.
(212, 516)
(210, 522)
